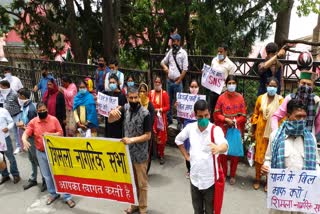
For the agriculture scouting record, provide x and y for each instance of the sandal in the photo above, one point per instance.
(131, 210)
(52, 199)
(71, 203)
(256, 185)
(266, 188)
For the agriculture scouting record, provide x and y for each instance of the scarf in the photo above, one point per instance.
(87, 100)
(308, 98)
(293, 128)
(268, 110)
(50, 98)
(144, 100)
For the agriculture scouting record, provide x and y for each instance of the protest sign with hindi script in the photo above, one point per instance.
(91, 167)
(106, 104)
(185, 105)
(296, 191)
(212, 79)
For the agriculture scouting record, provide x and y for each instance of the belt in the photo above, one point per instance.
(173, 80)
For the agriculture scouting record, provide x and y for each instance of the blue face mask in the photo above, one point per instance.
(231, 88)
(203, 122)
(82, 90)
(130, 84)
(220, 57)
(113, 86)
(271, 90)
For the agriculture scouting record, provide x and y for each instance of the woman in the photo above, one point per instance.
(89, 83)
(55, 103)
(266, 105)
(114, 130)
(129, 83)
(84, 110)
(160, 101)
(230, 111)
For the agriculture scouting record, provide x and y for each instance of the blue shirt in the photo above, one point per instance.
(43, 84)
(100, 78)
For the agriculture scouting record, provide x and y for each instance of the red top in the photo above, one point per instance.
(37, 128)
(230, 105)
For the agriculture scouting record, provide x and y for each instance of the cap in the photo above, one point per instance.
(308, 75)
(175, 37)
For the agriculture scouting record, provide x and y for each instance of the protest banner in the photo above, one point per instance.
(212, 79)
(91, 167)
(185, 103)
(106, 104)
(295, 191)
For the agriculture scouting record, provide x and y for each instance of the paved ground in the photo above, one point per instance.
(168, 193)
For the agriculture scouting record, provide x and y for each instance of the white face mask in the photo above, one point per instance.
(194, 91)
(158, 87)
(21, 102)
(4, 91)
(231, 88)
(8, 75)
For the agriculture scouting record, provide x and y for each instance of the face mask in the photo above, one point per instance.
(203, 122)
(220, 57)
(271, 90)
(231, 88)
(194, 91)
(43, 115)
(101, 65)
(82, 90)
(305, 89)
(130, 84)
(158, 87)
(113, 71)
(5, 91)
(21, 102)
(113, 86)
(175, 48)
(7, 75)
(134, 105)
(295, 127)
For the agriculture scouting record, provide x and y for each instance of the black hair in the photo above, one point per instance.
(132, 89)
(82, 81)
(113, 61)
(271, 48)
(40, 104)
(129, 76)
(113, 76)
(66, 79)
(270, 79)
(200, 105)
(193, 80)
(44, 68)
(104, 59)
(24, 92)
(231, 77)
(156, 77)
(5, 83)
(294, 105)
(7, 69)
(224, 46)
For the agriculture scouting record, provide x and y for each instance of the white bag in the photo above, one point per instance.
(250, 154)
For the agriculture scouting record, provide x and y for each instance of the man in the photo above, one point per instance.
(113, 66)
(137, 132)
(271, 68)
(42, 85)
(292, 146)
(15, 82)
(223, 64)
(7, 123)
(200, 156)
(69, 90)
(100, 74)
(45, 124)
(12, 105)
(29, 112)
(175, 65)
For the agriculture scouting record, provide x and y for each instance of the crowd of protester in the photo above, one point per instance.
(70, 110)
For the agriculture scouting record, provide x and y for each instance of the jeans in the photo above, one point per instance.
(16, 119)
(202, 200)
(13, 163)
(33, 160)
(172, 89)
(46, 173)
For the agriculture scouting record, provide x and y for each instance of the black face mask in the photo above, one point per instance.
(134, 105)
(175, 48)
(43, 115)
(101, 65)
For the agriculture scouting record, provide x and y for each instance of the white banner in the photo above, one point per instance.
(297, 191)
(106, 104)
(185, 103)
(212, 79)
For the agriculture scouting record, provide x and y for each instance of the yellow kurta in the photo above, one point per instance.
(258, 120)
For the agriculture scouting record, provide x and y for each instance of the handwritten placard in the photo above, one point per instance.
(106, 104)
(212, 79)
(297, 191)
(185, 103)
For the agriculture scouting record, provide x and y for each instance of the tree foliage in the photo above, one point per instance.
(305, 7)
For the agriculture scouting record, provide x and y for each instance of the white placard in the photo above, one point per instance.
(211, 79)
(185, 103)
(3, 144)
(106, 104)
(290, 190)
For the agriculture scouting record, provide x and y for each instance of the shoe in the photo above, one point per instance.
(187, 175)
(4, 179)
(232, 181)
(162, 161)
(17, 151)
(131, 210)
(16, 179)
(256, 185)
(43, 186)
(30, 184)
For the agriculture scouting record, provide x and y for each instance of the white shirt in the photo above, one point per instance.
(5, 121)
(15, 83)
(120, 77)
(293, 152)
(201, 159)
(226, 66)
(182, 60)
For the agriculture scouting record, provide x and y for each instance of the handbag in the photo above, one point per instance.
(218, 181)
(3, 165)
(234, 139)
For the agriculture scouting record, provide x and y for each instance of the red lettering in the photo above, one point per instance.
(214, 81)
